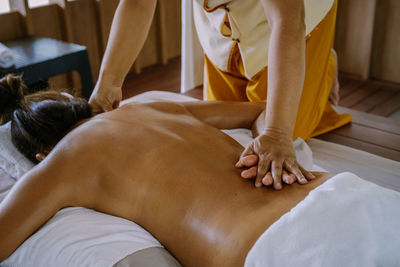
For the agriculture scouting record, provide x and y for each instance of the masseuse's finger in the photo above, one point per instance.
(294, 168)
(247, 161)
(96, 108)
(268, 180)
(263, 167)
(288, 178)
(249, 173)
(246, 152)
(276, 168)
(306, 173)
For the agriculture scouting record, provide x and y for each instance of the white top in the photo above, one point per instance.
(248, 24)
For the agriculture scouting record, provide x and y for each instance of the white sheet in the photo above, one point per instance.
(79, 233)
(346, 221)
(81, 237)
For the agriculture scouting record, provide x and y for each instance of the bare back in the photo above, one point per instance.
(174, 175)
(159, 166)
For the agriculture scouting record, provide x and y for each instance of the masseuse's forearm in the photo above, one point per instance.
(128, 33)
(286, 70)
(224, 114)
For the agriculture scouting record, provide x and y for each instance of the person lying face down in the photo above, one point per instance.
(166, 166)
(38, 120)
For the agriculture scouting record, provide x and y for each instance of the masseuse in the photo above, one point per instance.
(240, 39)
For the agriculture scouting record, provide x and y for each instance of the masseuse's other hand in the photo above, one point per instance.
(105, 98)
(275, 161)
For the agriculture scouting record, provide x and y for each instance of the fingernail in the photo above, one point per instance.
(258, 184)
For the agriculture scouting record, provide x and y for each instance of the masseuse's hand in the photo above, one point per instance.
(105, 98)
(271, 159)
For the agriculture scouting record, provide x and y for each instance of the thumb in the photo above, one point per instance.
(96, 108)
(116, 104)
(107, 107)
(246, 152)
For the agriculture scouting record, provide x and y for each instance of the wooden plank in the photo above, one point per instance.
(39, 26)
(388, 107)
(150, 51)
(353, 40)
(357, 144)
(343, 80)
(386, 49)
(83, 28)
(13, 26)
(363, 91)
(371, 120)
(156, 77)
(106, 10)
(196, 92)
(380, 96)
(370, 136)
(349, 88)
(40, 17)
(173, 27)
(162, 31)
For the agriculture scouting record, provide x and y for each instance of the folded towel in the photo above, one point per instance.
(7, 57)
(344, 222)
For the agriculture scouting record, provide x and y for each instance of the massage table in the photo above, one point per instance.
(83, 237)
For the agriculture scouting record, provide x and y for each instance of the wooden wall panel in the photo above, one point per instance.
(49, 21)
(88, 22)
(12, 26)
(83, 28)
(106, 10)
(353, 40)
(386, 48)
(173, 27)
(150, 53)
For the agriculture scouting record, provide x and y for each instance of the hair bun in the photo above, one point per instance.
(12, 91)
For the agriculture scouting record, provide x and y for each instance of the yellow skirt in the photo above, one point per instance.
(315, 114)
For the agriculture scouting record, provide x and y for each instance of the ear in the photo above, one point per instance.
(40, 156)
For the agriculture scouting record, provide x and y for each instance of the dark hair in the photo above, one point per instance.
(38, 120)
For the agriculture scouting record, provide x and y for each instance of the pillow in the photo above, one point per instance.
(6, 182)
(12, 161)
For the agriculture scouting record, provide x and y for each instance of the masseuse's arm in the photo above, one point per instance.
(226, 114)
(128, 33)
(286, 70)
(36, 197)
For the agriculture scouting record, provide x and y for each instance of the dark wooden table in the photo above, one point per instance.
(41, 58)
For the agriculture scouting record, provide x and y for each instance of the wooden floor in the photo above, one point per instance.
(375, 107)
(373, 97)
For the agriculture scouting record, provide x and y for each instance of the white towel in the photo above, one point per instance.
(11, 160)
(344, 222)
(81, 237)
(7, 57)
